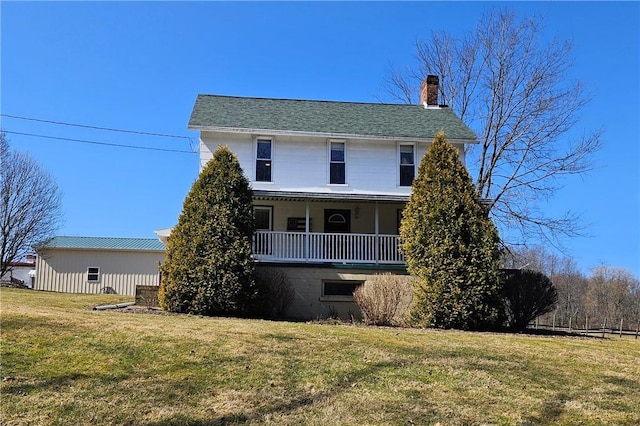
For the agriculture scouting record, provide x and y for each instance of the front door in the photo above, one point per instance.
(337, 221)
(336, 247)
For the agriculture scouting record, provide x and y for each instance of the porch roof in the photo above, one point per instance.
(327, 196)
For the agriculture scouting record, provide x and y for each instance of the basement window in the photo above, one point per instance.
(93, 274)
(339, 289)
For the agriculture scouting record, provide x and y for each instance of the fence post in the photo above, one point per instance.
(586, 325)
(621, 320)
(604, 325)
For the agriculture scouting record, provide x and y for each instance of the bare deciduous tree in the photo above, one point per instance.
(572, 286)
(513, 89)
(30, 205)
(611, 294)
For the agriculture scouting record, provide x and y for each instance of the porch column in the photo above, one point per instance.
(306, 231)
(377, 231)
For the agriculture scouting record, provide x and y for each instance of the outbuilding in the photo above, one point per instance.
(98, 264)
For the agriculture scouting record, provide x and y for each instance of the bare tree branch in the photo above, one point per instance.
(30, 205)
(513, 89)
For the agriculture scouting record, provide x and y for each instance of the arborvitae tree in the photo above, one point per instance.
(208, 269)
(451, 246)
(528, 294)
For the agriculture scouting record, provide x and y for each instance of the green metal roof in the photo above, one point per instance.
(104, 243)
(214, 112)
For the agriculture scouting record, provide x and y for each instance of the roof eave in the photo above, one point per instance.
(136, 250)
(277, 132)
(329, 196)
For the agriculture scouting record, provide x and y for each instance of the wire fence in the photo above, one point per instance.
(604, 331)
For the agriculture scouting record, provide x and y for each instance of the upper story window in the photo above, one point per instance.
(337, 162)
(264, 157)
(407, 164)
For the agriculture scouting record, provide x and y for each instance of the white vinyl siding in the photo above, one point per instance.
(302, 163)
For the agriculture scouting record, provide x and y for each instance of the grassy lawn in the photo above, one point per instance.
(63, 363)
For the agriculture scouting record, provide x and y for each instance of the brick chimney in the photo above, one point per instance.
(429, 91)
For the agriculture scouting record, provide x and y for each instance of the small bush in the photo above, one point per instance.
(384, 299)
(275, 293)
(528, 294)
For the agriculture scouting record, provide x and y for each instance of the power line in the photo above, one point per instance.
(110, 129)
(101, 143)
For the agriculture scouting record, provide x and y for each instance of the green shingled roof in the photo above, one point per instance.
(104, 243)
(326, 117)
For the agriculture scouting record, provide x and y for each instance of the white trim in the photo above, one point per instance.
(399, 164)
(428, 106)
(97, 280)
(306, 229)
(255, 157)
(262, 194)
(345, 162)
(341, 218)
(292, 246)
(321, 134)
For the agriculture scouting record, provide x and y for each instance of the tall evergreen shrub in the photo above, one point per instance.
(208, 269)
(451, 246)
(528, 295)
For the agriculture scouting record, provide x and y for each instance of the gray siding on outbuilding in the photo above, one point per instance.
(65, 270)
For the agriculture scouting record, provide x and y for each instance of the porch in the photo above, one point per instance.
(280, 246)
(335, 227)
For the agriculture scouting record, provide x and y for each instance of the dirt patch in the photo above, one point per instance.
(137, 309)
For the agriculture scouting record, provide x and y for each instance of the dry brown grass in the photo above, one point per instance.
(63, 363)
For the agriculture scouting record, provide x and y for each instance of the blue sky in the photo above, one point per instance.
(139, 66)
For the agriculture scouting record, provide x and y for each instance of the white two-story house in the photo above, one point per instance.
(330, 180)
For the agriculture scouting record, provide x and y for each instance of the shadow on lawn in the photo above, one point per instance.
(551, 410)
(304, 401)
(20, 386)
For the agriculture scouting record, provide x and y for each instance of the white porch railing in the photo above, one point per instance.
(321, 247)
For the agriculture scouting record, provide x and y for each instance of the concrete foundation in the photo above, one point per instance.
(317, 287)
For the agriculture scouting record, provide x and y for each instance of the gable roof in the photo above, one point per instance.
(346, 119)
(104, 243)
